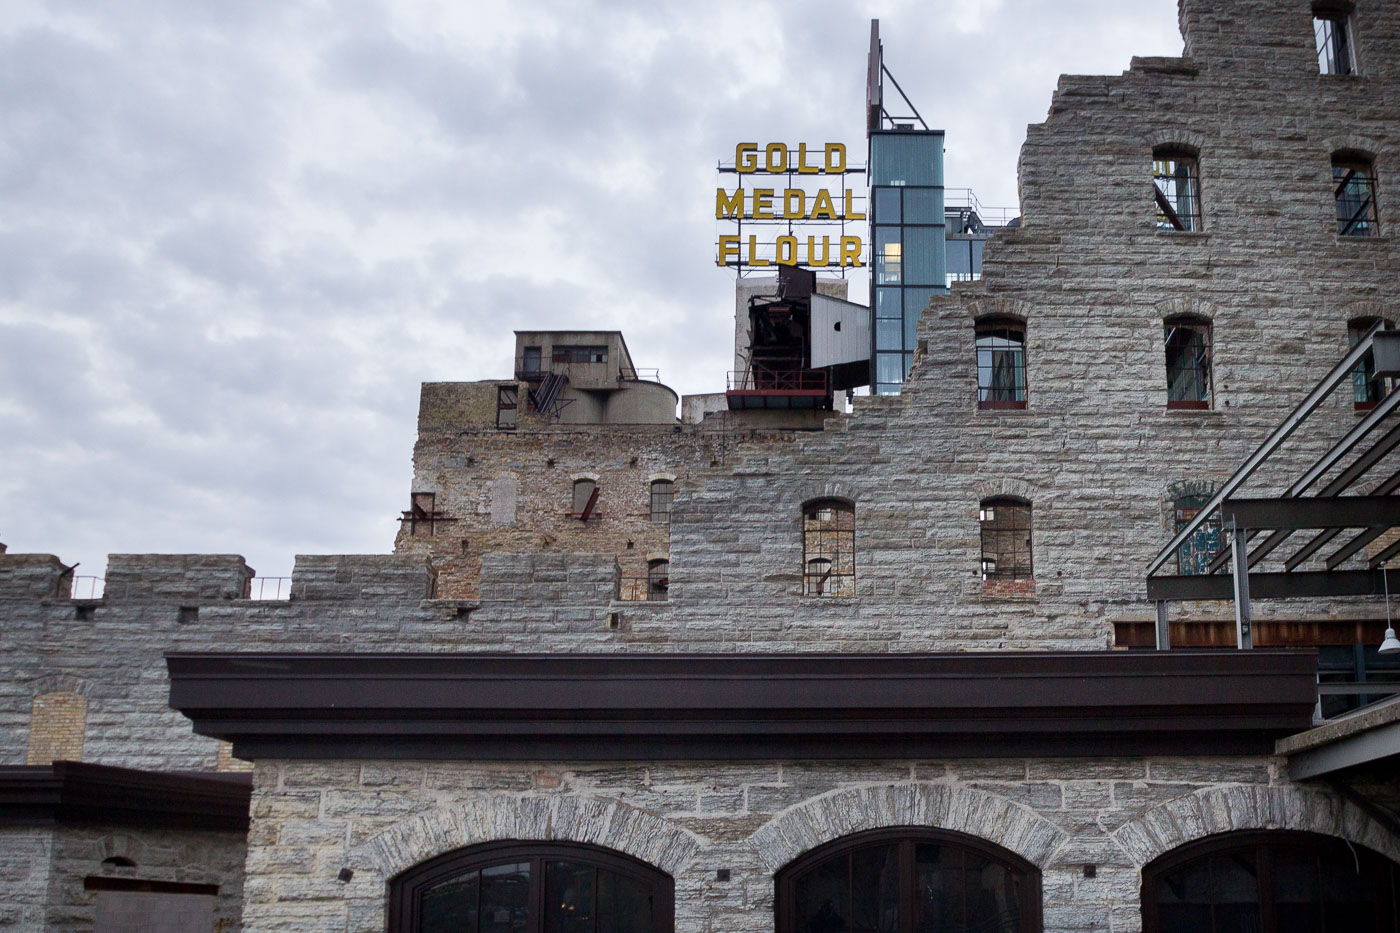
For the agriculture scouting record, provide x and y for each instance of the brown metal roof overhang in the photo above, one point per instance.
(79, 792)
(718, 707)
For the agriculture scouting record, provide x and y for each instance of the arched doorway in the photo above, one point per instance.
(909, 880)
(532, 887)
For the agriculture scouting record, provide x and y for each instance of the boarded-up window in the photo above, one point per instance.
(584, 491)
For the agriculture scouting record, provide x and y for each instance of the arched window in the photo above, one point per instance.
(521, 887)
(663, 492)
(1270, 882)
(1176, 189)
(658, 579)
(1354, 187)
(1006, 538)
(905, 879)
(1001, 363)
(1367, 390)
(829, 548)
(1188, 346)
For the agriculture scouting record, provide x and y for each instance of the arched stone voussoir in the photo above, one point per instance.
(601, 822)
(1219, 810)
(839, 813)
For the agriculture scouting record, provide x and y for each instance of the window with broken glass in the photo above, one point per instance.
(1196, 552)
(1332, 30)
(1001, 363)
(1354, 187)
(585, 498)
(829, 548)
(1188, 362)
(1006, 539)
(1177, 190)
(1367, 390)
(507, 403)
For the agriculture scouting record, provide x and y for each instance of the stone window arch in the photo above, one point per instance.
(908, 878)
(1269, 881)
(829, 547)
(531, 887)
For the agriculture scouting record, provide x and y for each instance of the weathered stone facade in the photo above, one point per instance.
(1096, 451)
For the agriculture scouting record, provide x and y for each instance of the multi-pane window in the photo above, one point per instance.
(507, 403)
(1270, 882)
(1332, 30)
(663, 492)
(585, 498)
(588, 354)
(1001, 363)
(532, 888)
(1367, 390)
(1177, 190)
(1187, 341)
(1196, 552)
(1354, 186)
(658, 579)
(1006, 539)
(909, 879)
(829, 548)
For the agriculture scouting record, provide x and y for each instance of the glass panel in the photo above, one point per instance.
(1349, 895)
(1333, 45)
(1235, 891)
(887, 302)
(990, 893)
(906, 159)
(1001, 363)
(1355, 184)
(888, 334)
(1295, 881)
(888, 256)
(568, 897)
(1183, 899)
(505, 897)
(450, 907)
(924, 262)
(911, 331)
(923, 205)
(822, 898)
(938, 889)
(889, 368)
(1188, 362)
(875, 890)
(1177, 186)
(887, 206)
(624, 904)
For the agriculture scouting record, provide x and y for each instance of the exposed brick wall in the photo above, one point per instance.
(57, 724)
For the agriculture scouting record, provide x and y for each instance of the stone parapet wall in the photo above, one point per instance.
(33, 576)
(312, 819)
(176, 577)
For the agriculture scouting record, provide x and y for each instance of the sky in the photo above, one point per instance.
(236, 235)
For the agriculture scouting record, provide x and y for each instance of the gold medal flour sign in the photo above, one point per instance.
(813, 196)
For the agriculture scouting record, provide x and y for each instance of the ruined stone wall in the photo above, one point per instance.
(312, 819)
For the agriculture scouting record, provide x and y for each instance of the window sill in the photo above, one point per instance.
(1378, 238)
(1185, 236)
(1009, 588)
(1191, 408)
(1001, 406)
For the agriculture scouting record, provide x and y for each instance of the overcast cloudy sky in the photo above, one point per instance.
(237, 234)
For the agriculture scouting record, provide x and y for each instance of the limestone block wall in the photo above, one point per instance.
(377, 818)
(26, 853)
(157, 577)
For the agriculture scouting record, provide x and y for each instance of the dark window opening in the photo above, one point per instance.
(1001, 363)
(909, 879)
(658, 580)
(590, 354)
(119, 861)
(663, 493)
(530, 364)
(1354, 187)
(1006, 539)
(532, 888)
(1270, 882)
(1188, 362)
(1177, 190)
(1196, 552)
(1367, 390)
(507, 401)
(1332, 30)
(829, 548)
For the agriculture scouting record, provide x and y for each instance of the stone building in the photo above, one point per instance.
(886, 688)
